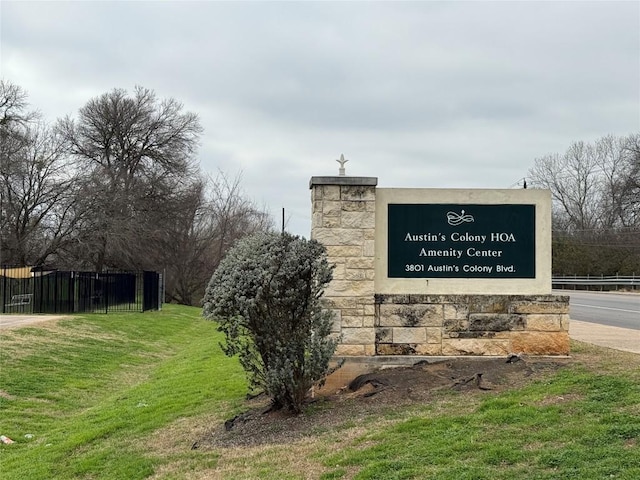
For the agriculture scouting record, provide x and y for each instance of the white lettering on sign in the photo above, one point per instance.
(440, 253)
(445, 241)
(424, 237)
(467, 237)
(477, 268)
(472, 252)
(503, 237)
(443, 268)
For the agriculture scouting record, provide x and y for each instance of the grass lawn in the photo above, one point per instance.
(124, 396)
(81, 397)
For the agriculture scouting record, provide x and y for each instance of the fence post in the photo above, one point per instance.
(4, 287)
(106, 293)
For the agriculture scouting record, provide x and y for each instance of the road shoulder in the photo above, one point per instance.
(624, 339)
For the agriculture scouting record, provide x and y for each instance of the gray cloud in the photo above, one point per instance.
(437, 94)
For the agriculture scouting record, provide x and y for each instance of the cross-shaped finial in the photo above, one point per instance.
(342, 161)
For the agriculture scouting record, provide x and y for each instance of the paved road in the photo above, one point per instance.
(605, 308)
(606, 319)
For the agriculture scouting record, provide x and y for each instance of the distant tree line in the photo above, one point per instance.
(596, 206)
(117, 187)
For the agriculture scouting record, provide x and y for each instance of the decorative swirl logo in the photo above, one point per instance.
(454, 219)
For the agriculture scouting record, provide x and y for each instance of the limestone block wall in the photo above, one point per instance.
(471, 324)
(343, 219)
(378, 316)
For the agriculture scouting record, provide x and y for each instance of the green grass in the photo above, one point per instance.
(124, 396)
(582, 422)
(90, 389)
(589, 431)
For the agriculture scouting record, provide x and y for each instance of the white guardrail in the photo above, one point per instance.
(599, 282)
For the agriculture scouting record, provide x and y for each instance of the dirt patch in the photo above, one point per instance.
(6, 395)
(371, 393)
(19, 321)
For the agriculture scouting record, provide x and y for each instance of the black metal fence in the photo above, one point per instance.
(79, 292)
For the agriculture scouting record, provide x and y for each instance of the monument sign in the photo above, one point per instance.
(461, 241)
(438, 272)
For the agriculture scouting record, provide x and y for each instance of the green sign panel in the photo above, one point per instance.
(461, 241)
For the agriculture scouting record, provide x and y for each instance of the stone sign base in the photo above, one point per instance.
(430, 307)
(454, 325)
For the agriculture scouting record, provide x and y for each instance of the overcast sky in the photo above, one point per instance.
(419, 94)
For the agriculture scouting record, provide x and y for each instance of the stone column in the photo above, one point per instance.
(343, 219)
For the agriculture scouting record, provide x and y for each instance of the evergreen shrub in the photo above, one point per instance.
(266, 297)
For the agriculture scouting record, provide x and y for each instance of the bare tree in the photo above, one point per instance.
(596, 209)
(14, 106)
(136, 152)
(573, 183)
(630, 181)
(37, 184)
(117, 188)
(14, 118)
(219, 215)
